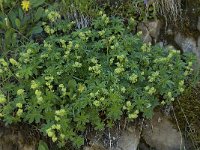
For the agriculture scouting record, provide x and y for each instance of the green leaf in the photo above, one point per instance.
(38, 14)
(36, 30)
(78, 141)
(43, 145)
(72, 84)
(36, 3)
(12, 17)
(8, 35)
(34, 115)
(21, 15)
(18, 23)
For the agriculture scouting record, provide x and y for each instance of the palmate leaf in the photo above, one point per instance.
(115, 111)
(33, 115)
(82, 118)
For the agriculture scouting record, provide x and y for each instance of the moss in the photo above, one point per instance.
(187, 110)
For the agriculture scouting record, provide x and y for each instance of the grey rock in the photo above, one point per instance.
(95, 143)
(145, 33)
(187, 44)
(159, 133)
(154, 28)
(129, 139)
(198, 48)
(10, 140)
(198, 25)
(95, 146)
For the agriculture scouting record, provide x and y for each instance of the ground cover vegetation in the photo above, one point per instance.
(62, 78)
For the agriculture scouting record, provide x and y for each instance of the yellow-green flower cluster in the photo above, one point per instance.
(77, 46)
(52, 15)
(153, 76)
(51, 132)
(133, 115)
(104, 17)
(96, 103)
(59, 113)
(95, 96)
(161, 60)
(123, 89)
(1, 115)
(83, 35)
(169, 96)
(129, 108)
(39, 97)
(150, 90)
(173, 51)
(121, 58)
(77, 65)
(48, 45)
(19, 105)
(63, 43)
(4, 65)
(81, 87)
(113, 47)
(111, 39)
(20, 110)
(189, 69)
(2, 98)
(49, 80)
(181, 86)
(101, 33)
(68, 49)
(119, 70)
(133, 78)
(14, 62)
(20, 92)
(96, 68)
(49, 30)
(146, 47)
(25, 56)
(120, 66)
(63, 90)
(34, 84)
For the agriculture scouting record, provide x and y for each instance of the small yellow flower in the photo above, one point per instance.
(81, 88)
(25, 5)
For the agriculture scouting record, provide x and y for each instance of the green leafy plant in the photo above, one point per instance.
(42, 145)
(91, 76)
(18, 25)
